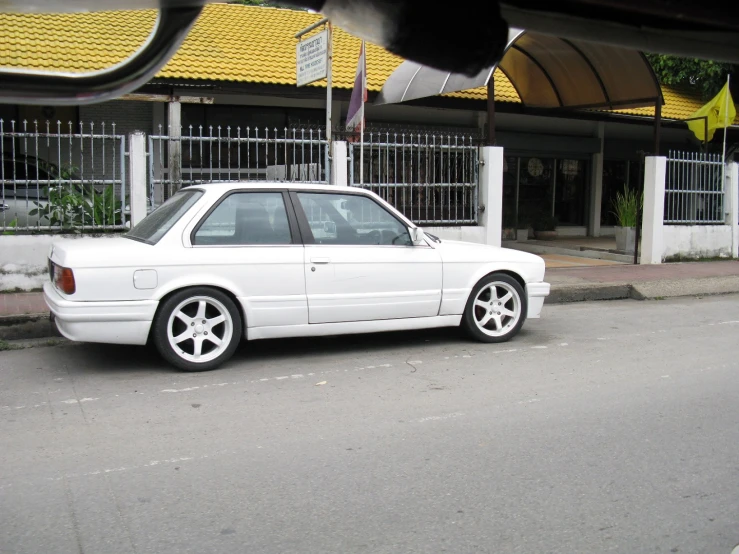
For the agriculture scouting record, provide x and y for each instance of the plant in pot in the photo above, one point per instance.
(625, 207)
(545, 227)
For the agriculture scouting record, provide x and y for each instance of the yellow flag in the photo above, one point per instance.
(716, 114)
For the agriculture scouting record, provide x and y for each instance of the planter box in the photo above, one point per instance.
(545, 235)
(626, 239)
(522, 235)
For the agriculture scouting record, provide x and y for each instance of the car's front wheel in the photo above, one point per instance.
(197, 329)
(496, 309)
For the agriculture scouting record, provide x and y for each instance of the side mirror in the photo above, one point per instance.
(416, 235)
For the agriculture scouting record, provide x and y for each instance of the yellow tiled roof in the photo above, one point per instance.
(229, 42)
(680, 103)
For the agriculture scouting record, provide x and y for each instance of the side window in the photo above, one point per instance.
(246, 218)
(351, 220)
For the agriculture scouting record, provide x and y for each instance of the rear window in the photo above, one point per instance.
(154, 226)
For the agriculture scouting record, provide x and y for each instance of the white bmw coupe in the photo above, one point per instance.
(224, 261)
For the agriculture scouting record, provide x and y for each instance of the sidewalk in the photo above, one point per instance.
(25, 315)
(609, 282)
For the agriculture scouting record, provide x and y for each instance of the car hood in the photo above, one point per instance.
(451, 250)
(99, 252)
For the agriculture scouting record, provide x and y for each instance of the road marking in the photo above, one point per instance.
(439, 418)
(80, 401)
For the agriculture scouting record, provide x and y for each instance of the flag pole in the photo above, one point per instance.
(361, 125)
(726, 129)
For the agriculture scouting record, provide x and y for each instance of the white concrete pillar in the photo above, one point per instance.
(491, 193)
(596, 195)
(340, 169)
(652, 231)
(137, 172)
(732, 205)
(175, 146)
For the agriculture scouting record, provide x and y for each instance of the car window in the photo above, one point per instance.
(351, 219)
(246, 218)
(154, 226)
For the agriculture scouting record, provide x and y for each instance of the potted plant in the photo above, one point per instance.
(625, 207)
(545, 227)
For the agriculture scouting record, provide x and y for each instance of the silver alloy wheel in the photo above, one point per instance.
(200, 329)
(497, 309)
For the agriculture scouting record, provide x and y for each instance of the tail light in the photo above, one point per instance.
(63, 279)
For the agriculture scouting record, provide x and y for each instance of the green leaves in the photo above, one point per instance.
(625, 207)
(74, 207)
(706, 76)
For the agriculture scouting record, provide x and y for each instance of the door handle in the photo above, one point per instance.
(320, 260)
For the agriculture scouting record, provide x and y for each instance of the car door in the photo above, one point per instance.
(249, 239)
(360, 262)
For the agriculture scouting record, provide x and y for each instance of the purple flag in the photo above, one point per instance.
(355, 116)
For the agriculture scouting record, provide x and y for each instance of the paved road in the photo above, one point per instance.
(605, 427)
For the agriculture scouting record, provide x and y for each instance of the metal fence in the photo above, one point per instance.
(432, 179)
(694, 191)
(210, 154)
(58, 176)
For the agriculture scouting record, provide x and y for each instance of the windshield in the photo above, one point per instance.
(157, 223)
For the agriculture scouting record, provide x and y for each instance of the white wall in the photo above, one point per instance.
(23, 259)
(465, 234)
(697, 241)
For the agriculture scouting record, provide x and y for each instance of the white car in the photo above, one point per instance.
(223, 261)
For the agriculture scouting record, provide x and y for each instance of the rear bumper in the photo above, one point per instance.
(106, 322)
(536, 292)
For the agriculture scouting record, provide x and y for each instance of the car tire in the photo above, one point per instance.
(496, 309)
(197, 329)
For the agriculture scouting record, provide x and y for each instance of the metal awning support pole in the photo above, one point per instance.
(657, 124)
(491, 112)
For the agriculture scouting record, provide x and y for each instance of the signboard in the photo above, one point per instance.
(312, 58)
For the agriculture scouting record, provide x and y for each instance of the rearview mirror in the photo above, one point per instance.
(416, 234)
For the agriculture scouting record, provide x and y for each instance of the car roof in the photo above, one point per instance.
(278, 185)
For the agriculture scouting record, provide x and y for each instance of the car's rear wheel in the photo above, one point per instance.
(496, 309)
(197, 329)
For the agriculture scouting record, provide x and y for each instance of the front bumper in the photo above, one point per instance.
(536, 292)
(106, 322)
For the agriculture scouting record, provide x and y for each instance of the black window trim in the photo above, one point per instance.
(296, 238)
(127, 235)
(305, 225)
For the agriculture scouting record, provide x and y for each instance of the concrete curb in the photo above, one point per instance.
(28, 326)
(563, 294)
(646, 290)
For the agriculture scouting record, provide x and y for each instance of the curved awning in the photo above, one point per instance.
(547, 72)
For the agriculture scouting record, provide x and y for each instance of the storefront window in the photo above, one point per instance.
(510, 177)
(536, 180)
(570, 192)
(535, 185)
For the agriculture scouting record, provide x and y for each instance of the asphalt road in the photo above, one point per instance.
(604, 427)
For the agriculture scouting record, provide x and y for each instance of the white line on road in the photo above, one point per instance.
(439, 418)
